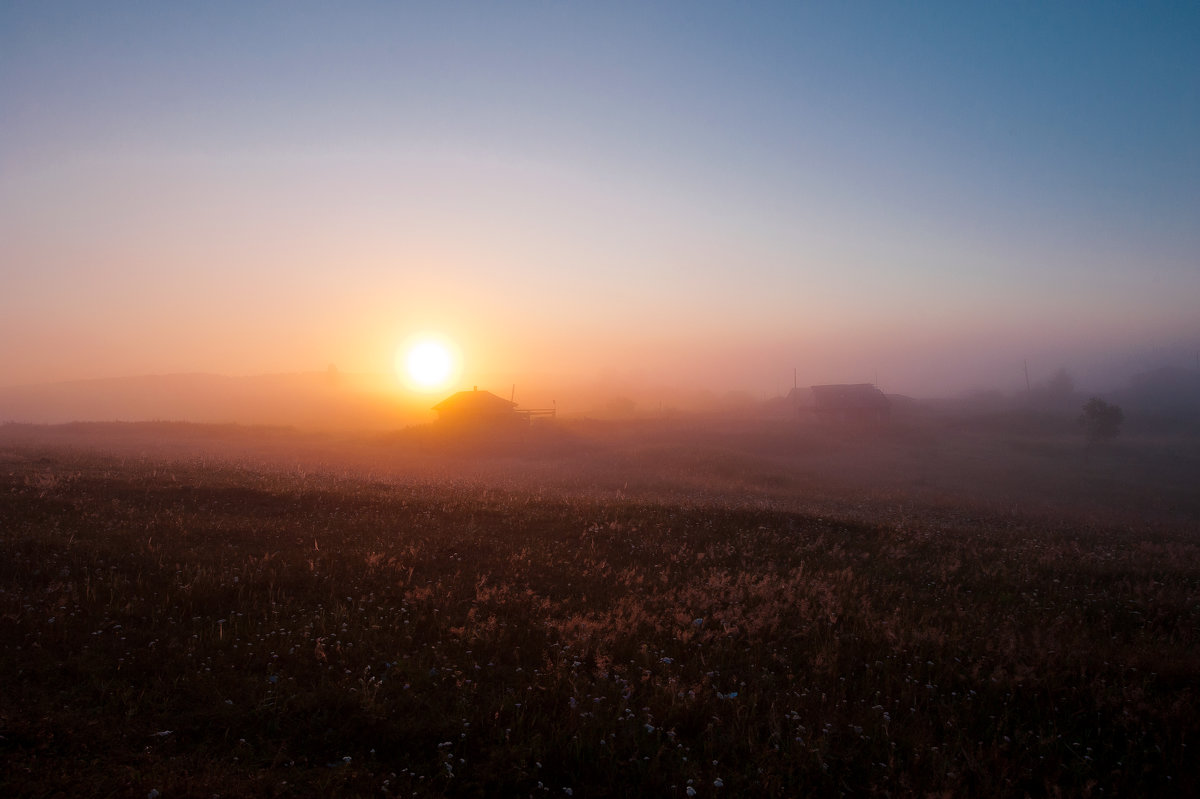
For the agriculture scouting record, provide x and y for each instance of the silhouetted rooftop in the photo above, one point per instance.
(474, 403)
(853, 396)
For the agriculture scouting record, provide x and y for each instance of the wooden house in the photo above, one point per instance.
(476, 407)
(855, 402)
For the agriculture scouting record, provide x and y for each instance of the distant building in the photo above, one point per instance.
(856, 402)
(477, 407)
(484, 409)
(799, 400)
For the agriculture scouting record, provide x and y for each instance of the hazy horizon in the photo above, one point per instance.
(666, 197)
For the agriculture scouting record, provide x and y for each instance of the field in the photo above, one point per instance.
(666, 609)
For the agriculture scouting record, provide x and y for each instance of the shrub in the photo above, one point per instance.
(1101, 421)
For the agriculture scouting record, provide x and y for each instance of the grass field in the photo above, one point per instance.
(655, 610)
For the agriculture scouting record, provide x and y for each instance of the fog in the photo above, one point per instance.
(607, 212)
(333, 400)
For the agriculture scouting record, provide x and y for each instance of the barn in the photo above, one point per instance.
(853, 402)
(477, 408)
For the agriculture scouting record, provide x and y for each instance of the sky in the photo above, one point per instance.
(693, 194)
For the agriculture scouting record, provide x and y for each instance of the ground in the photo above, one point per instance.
(704, 607)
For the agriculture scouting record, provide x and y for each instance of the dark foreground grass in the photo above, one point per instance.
(196, 630)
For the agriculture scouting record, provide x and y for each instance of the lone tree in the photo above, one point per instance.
(1100, 420)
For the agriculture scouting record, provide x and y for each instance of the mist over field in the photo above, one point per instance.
(595, 400)
(962, 600)
(332, 400)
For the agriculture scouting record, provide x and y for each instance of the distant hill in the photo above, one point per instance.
(318, 400)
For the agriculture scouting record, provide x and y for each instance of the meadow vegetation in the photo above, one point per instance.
(685, 609)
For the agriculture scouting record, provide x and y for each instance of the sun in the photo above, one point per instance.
(427, 363)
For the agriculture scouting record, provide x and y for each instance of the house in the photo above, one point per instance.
(856, 402)
(799, 401)
(477, 407)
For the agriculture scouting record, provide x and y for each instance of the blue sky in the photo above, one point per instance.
(680, 191)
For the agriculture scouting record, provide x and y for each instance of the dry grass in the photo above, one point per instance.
(670, 617)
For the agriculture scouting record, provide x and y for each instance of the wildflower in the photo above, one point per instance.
(717, 783)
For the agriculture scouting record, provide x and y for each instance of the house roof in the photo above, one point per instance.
(475, 402)
(849, 396)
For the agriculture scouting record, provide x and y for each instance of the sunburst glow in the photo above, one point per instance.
(427, 364)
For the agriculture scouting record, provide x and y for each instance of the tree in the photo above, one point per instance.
(1101, 421)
